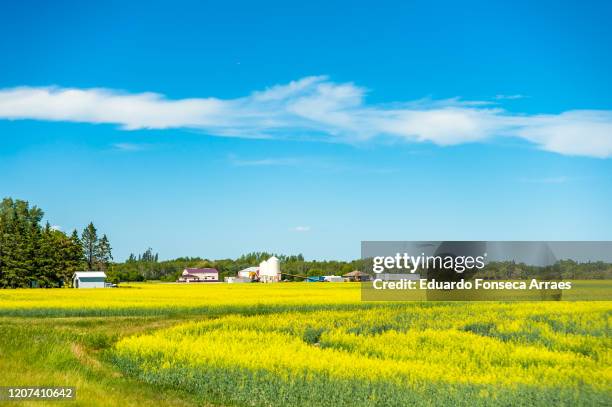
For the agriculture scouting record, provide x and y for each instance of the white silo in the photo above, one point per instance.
(269, 270)
(273, 266)
(263, 266)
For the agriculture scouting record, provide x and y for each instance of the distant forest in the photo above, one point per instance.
(37, 255)
(33, 254)
(563, 269)
(146, 266)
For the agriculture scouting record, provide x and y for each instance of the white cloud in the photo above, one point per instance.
(261, 162)
(130, 146)
(578, 132)
(56, 227)
(301, 229)
(510, 97)
(316, 108)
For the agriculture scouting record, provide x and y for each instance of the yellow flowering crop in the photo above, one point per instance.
(299, 344)
(456, 353)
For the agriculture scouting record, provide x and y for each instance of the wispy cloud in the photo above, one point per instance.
(300, 229)
(263, 162)
(130, 146)
(317, 108)
(510, 97)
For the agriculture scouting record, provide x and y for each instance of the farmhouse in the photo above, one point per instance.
(88, 279)
(357, 276)
(193, 275)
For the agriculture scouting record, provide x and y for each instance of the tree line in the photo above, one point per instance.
(33, 254)
(147, 266)
(562, 269)
(37, 255)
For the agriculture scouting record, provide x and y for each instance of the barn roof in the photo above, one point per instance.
(355, 273)
(80, 274)
(199, 271)
(250, 269)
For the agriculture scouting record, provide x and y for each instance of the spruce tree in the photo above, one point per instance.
(19, 239)
(103, 253)
(89, 239)
(74, 253)
(70, 256)
(36, 256)
(47, 258)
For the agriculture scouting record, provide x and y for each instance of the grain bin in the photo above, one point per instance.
(273, 266)
(269, 270)
(263, 268)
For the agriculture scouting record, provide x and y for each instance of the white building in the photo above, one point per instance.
(193, 275)
(269, 271)
(88, 279)
(248, 272)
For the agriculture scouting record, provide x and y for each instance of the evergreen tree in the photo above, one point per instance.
(89, 239)
(73, 253)
(46, 259)
(103, 253)
(35, 256)
(19, 239)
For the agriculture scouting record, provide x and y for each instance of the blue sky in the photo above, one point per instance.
(229, 127)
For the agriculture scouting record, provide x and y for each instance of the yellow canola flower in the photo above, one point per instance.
(395, 344)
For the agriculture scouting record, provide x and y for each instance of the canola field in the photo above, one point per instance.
(442, 354)
(300, 344)
(175, 299)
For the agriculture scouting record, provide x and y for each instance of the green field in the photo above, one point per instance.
(301, 344)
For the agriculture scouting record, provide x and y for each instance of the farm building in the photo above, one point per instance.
(314, 279)
(269, 270)
(193, 275)
(88, 279)
(249, 272)
(333, 279)
(357, 276)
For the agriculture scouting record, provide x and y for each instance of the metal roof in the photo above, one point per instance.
(199, 271)
(250, 269)
(79, 274)
(355, 273)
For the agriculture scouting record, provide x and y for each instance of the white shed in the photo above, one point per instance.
(248, 272)
(88, 279)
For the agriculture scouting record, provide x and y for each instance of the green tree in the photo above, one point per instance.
(19, 238)
(103, 253)
(89, 239)
(74, 252)
(47, 258)
(73, 255)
